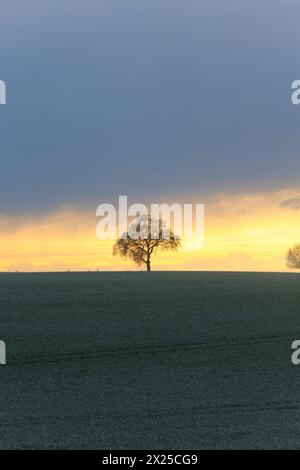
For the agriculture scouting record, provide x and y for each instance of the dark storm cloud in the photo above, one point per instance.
(146, 98)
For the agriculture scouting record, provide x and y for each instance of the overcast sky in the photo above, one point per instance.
(149, 98)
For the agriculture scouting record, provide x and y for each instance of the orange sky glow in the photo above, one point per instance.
(243, 232)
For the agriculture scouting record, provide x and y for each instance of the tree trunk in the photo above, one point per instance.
(148, 265)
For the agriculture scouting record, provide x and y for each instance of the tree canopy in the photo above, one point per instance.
(293, 257)
(145, 238)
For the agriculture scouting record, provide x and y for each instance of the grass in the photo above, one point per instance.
(145, 361)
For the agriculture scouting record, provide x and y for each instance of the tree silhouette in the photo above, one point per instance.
(145, 238)
(293, 258)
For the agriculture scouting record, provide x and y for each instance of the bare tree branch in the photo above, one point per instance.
(150, 238)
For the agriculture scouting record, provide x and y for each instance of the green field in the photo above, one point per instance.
(158, 360)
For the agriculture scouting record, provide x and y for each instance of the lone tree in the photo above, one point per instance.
(293, 258)
(145, 238)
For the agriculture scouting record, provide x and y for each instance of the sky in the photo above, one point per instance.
(159, 100)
